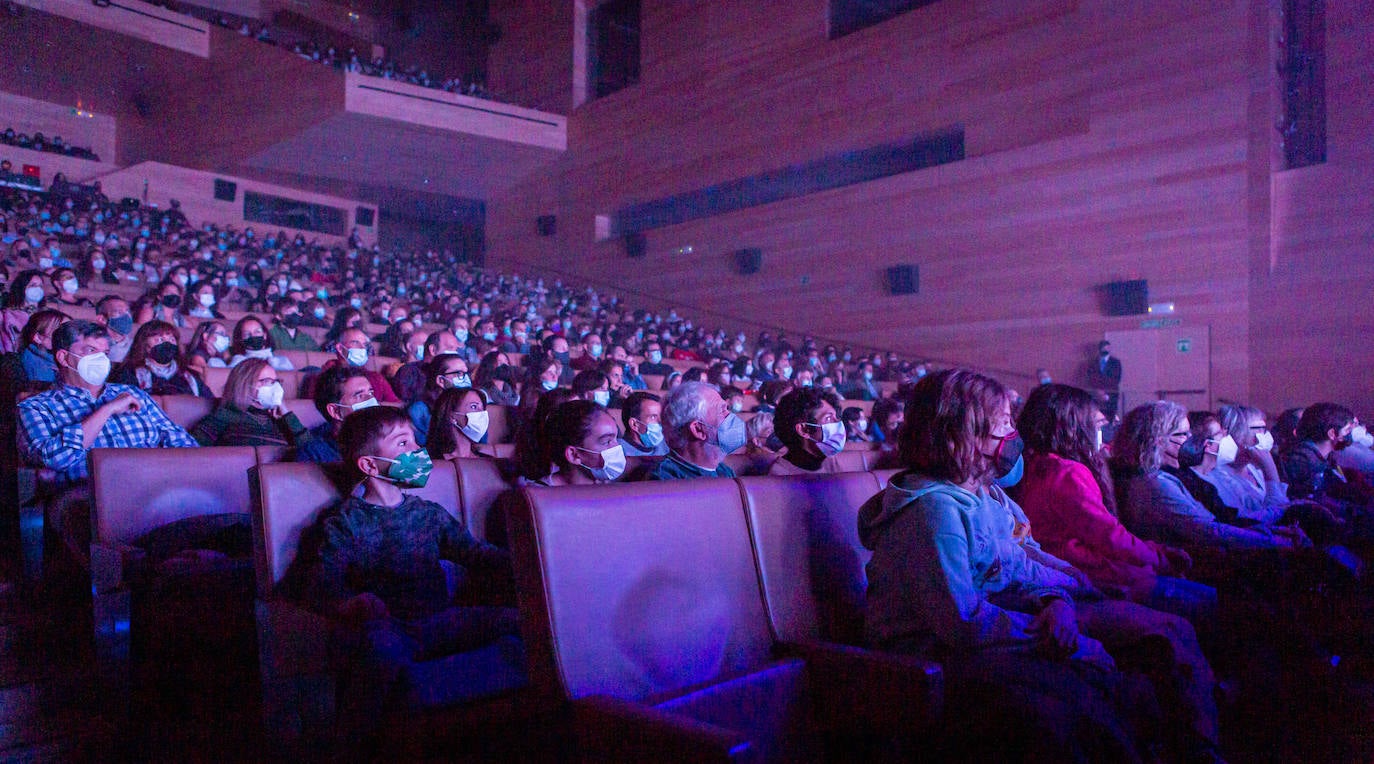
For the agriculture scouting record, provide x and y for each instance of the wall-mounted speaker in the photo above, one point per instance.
(226, 190)
(1128, 298)
(636, 245)
(546, 225)
(365, 217)
(748, 261)
(903, 279)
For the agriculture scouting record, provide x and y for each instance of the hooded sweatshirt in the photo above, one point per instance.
(957, 571)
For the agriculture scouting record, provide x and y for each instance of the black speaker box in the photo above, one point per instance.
(226, 190)
(1128, 298)
(903, 279)
(636, 245)
(546, 225)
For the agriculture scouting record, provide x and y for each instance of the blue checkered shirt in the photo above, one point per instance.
(50, 434)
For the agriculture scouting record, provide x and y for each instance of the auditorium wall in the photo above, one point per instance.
(1104, 141)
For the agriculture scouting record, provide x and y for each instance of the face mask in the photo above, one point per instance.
(207, 299)
(1008, 454)
(832, 437)
(291, 320)
(548, 384)
(1191, 452)
(257, 342)
(220, 343)
(270, 396)
(920, 373)
(612, 463)
(1045, 380)
(562, 358)
(1264, 441)
(489, 336)
(602, 397)
(33, 294)
(462, 380)
(1227, 450)
(1014, 475)
(476, 428)
(737, 405)
(319, 312)
(98, 264)
(418, 353)
(868, 376)
(45, 262)
(409, 470)
(1361, 436)
(594, 351)
(93, 369)
(655, 356)
(357, 356)
(785, 372)
(807, 383)
(171, 300)
(355, 303)
(730, 435)
(163, 352)
(180, 279)
(653, 435)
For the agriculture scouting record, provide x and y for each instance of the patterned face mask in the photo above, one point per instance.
(409, 470)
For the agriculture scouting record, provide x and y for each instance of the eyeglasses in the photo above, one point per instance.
(1179, 437)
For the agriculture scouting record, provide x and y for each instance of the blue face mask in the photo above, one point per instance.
(1014, 476)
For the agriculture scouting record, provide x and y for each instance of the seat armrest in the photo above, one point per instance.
(866, 690)
(111, 563)
(611, 729)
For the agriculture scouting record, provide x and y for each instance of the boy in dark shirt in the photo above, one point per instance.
(388, 567)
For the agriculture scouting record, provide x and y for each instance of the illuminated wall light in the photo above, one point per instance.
(1161, 309)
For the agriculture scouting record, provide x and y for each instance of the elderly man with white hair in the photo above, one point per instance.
(700, 431)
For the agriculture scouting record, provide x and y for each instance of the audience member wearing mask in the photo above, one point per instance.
(1310, 464)
(855, 423)
(1246, 476)
(251, 340)
(114, 314)
(201, 303)
(653, 361)
(58, 428)
(642, 416)
(66, 291)
(410, 380)
(338, 393)
(251, 411)
(442, 373)
(355, 349)
(580, 439)
(286, 330)
(592, 385)
(459, 424)
(209, 347)
(1067, 494)
(154, 364)
(700, 431)
(1153, 501)
(957, 577)
(496, 378)
(757, 456)
(862, 387)
(25, 296)
(807, 423)
(37, 361)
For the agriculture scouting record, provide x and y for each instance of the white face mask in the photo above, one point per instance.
(785, 372)
(33, 294)
(548, 384)
(357, 356)
(653, 435)
(832, 437)
(612, 463)
(476, 428)
(207, 299)
(1264, 441)
(93, 369)
(220, 343)
(602, 397)
(271, 396)
(70, 286)
(1226, 450)
(1361, 436)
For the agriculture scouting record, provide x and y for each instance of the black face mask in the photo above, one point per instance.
(291, 320)
(1191, 452)
(171, 300)
(563, 357)
(255, 342)
(1011, 450)
(163, 352)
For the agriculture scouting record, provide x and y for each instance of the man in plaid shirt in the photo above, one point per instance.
(58, 427)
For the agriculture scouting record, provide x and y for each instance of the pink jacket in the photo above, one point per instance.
(1068, 518)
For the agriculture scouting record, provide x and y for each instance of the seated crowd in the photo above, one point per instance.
(39, 142)
(1056, 573)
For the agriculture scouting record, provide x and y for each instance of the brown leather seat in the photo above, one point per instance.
(642, 607)
(499, 425)
(850, 461)
(480, 487)
(185, 410)
(305, 410)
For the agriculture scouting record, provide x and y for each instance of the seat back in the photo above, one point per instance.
(499, 425)
(135, 490)
(185, 410)
(850, 461)
(480, 484)
(290, 498)
(299, 358)
(806, 539)
(215, 378)
(634, 589)
(304, 409)
(290, 382)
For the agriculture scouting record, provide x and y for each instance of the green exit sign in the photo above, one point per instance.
(1185, 345)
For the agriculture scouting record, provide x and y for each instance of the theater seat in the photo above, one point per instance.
(480, 486)
(215, 378)
(642, 610)
(850, 461)
(499, 428)
(185, 410)
(305, 410)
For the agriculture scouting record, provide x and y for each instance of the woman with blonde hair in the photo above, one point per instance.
(251, 412)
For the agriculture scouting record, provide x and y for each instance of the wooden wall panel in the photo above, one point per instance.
(531, 64)
(49, 164)
(1311, 321)
(146, 22)
(1106, 140)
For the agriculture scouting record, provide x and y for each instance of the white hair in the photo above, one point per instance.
(685, 404)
